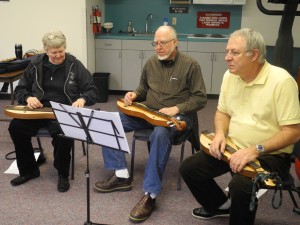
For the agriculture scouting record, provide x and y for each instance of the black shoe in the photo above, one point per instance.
(201, 213)
(113, 184)
(63, 184)
(23, 179)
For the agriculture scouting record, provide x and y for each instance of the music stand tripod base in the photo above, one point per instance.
(75, 123)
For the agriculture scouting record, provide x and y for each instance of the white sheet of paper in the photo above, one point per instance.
(260, 192)
(105, 128)
(13, 169)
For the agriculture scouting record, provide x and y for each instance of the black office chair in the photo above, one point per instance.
(43, 132)
(192, 137)
(284, 185)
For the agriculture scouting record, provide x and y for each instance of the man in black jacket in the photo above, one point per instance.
(52, 76)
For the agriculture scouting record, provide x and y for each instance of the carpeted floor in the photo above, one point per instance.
(39, 203)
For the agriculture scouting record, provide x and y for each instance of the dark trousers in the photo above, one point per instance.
(199, 171)
(22, 131)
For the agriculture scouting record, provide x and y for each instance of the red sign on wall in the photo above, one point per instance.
(213, 19)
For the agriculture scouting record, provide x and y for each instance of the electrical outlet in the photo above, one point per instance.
(174, 20)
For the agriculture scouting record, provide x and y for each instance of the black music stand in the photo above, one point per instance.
(93, 127)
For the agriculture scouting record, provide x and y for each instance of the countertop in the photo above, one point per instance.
(181, 37)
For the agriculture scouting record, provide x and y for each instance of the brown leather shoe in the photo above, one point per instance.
(113, 184)
(142, 210)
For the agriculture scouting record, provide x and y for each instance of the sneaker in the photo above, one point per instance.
(201, 213)
(113, 184)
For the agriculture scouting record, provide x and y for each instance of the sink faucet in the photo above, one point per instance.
(147, 20)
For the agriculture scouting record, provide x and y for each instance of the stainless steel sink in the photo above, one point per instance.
(196, 35)
(142, 35)
(217, 36)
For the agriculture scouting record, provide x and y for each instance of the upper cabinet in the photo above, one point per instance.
(220, 2)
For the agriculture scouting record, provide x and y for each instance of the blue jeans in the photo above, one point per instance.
(160, 148)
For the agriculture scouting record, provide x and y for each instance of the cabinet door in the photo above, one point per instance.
(145, 56)
(205, 61)
(219, 68)
(131, 69)
(132, 65)
(109, 61)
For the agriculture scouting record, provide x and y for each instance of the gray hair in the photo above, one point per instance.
(254, 40)
(54, 39)
(173, 32)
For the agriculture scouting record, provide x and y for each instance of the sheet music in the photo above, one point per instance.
(13, 168)
(105, 128)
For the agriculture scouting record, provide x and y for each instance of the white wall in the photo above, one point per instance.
(267, 25)
(26, 21)
(91, 61)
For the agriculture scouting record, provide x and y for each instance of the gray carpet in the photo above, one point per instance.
(38, 201)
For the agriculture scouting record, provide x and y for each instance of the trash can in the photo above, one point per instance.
(101, 82)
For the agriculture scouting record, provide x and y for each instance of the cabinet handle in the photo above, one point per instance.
(213, 57)
(141, 55)
(120, 54)
(107, 44)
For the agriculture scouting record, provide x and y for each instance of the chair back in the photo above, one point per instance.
(296, 153)
(194, 138)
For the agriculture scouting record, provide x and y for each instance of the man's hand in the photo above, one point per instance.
(129, 98)
(170, 111)
(217, 146)
(240, 158)
(33, 103)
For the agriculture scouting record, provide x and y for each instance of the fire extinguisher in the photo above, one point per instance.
(96, 20)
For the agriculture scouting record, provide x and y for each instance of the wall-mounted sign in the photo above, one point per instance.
(178, 10)
(213, 19)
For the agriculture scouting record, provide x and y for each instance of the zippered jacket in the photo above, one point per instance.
(78, 81)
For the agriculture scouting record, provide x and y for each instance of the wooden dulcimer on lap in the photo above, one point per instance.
(250, 170)
(23, 112)
(154, 117)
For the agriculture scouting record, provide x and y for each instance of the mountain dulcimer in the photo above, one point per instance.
(250, 170)
(154, 117)
(23, 112)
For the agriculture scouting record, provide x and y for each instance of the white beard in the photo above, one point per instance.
(167, 55)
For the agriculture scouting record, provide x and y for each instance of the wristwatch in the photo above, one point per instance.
(260, 149)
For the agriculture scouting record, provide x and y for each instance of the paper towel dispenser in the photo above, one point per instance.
(220, 2)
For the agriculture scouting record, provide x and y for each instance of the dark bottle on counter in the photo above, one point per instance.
(19, 51)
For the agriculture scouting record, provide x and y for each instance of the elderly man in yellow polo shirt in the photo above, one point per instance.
(258, 110)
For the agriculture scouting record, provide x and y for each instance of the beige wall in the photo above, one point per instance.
(26, 21)
(267, 25)
(89, 31)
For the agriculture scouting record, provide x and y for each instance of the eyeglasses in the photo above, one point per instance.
(161, 43)
(234, 53)
(53, 36)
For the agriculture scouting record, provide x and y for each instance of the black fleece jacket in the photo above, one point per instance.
(78, 81)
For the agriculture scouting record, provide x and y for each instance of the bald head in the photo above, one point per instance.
(165, 42)
(166, 31)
